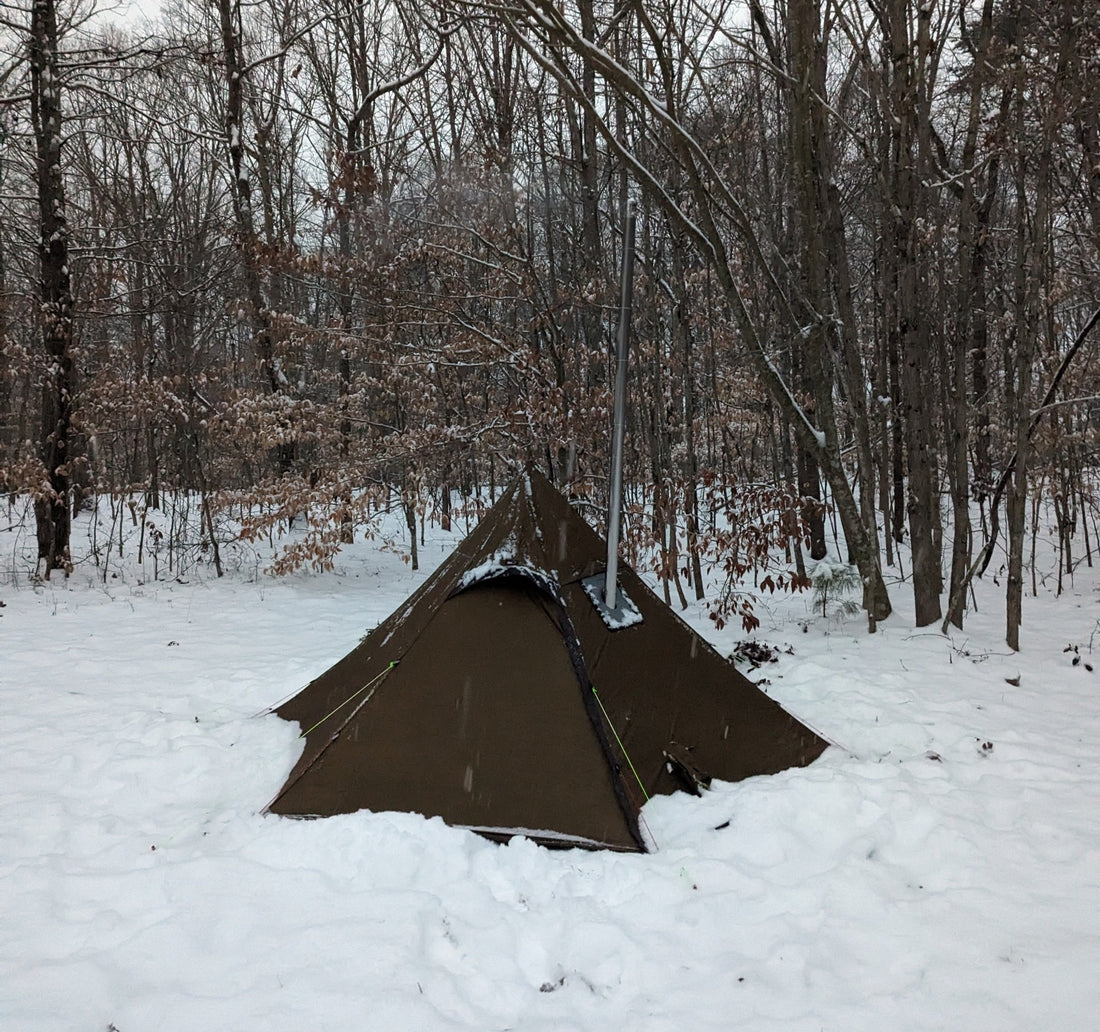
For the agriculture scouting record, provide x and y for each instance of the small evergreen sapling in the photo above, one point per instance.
(832, 581)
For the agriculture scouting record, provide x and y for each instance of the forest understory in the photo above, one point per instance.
(270, 269)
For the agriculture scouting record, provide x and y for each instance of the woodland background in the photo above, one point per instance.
(281, 261)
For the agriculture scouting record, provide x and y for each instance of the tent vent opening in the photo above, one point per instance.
(623, 614)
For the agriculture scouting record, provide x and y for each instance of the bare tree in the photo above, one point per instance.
(714, 219)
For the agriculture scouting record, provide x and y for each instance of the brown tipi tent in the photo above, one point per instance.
(499, 698)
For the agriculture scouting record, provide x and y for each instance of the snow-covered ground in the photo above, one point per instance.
(938, 870)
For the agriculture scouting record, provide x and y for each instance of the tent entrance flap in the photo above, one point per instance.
(623, 614)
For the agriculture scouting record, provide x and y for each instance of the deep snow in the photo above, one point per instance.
(938, 869)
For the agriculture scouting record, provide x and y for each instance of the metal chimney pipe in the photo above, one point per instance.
(615, 503)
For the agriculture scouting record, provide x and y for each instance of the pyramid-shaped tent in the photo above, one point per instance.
(500, 699)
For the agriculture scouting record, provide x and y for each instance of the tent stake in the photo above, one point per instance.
(615, 503)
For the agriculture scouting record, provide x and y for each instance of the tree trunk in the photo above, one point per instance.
(909, 323)
(966, 354)
(52, 506)
(229, 13)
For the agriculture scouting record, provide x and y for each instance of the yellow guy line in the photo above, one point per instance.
(622, 747)
(371, 682)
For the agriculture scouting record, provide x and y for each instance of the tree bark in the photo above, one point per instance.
(907, 324)
(229, 14)
(52, 514)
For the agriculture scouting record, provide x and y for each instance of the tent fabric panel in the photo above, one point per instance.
(572, 549)
(385, 644)
(462, 731)
(663, 685)
(390, 640)
(531, 523)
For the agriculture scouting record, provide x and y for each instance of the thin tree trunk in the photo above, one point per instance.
(229, 12)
